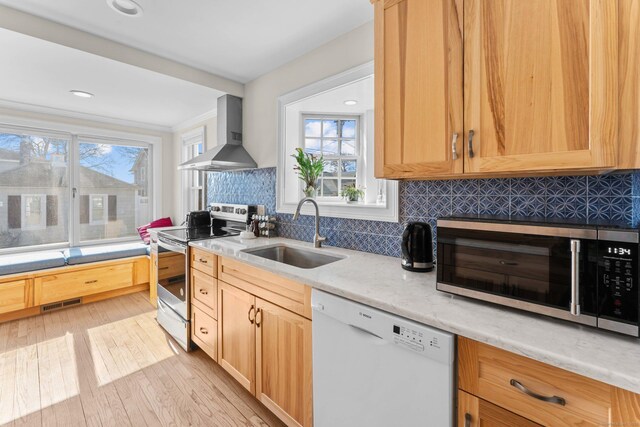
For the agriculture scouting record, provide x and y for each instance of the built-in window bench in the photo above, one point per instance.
(36, 282)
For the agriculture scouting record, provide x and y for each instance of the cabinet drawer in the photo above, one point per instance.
(74, 284)
(204, 292)
(509, 380)
(204, 332)
(170, 264)
(13, 296)
(204, 261)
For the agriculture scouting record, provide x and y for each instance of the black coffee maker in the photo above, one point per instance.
(417, 247)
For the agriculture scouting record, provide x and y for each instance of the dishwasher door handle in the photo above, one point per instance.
(364, 331)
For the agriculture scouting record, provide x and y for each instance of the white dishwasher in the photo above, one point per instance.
(374, 369)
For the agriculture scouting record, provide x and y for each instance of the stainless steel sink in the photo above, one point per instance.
(296, 257)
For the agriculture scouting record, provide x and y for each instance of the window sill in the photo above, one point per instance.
(372, 211)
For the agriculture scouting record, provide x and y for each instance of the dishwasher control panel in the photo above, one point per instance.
(414, 339)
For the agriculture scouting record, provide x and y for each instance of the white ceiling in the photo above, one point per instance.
(41, 73)
(237, 39)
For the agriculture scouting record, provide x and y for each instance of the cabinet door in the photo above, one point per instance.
(418, 88)
(236, 334)
(629, 83)
(540, 84)
(153, 279)
(283, 363)
(475, 412)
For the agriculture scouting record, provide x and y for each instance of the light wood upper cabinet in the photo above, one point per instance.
(418, 87)
(629, 83)
(540, 84)
(538, 94)
(236, 334)
(283, 363)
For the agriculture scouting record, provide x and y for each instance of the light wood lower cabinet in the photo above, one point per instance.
(267, 348)
(236, 334)
(283, 363)
(475, 412)
(15, 295)
(204, 332)
(540, 393)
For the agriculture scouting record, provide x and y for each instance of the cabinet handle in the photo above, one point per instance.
(467, 420)
(550, 399)
(204, 292)
(204, 331)
(259, 321)
(204, 261)
(454, 146)
(88, 282)
(574, 307)
(163, 268)
(471, 133)
(251, 319)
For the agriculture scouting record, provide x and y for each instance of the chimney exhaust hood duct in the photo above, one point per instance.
(229, 154)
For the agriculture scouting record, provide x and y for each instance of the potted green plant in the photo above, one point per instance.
(309, 169)
(352, 193)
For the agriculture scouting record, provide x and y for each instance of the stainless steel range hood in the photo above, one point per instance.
(229, 154)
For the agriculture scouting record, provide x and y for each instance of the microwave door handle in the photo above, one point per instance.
(575, 278)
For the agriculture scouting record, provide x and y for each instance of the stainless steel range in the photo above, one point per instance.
(173, 265)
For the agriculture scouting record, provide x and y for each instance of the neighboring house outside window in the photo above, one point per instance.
(336, 138)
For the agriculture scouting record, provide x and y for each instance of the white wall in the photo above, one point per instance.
(168, 167)
(261, 94)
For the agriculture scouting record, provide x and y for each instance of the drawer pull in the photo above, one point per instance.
(202, 260)
(204, 331)
(163, 268)
(550, 399)
(88, 282)
(467, 420)
(251, 318)
(204, 292)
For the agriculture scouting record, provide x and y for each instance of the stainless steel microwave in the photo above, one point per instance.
(582, 273)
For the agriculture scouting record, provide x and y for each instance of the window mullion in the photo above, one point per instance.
(74, 211)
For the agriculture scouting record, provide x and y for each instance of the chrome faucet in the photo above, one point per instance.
(317, 239)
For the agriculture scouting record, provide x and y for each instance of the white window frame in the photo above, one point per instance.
(71, 132)
(43, 212)
(190, 140)
(105, 215)
(288, 191)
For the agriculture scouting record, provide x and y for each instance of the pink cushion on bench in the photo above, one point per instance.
(143, 230)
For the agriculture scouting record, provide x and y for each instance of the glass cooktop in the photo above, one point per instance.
(190, 234)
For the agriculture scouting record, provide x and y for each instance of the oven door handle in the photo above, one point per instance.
(172, 247)
(574, 306)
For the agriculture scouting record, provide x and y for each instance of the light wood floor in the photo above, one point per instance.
(110, 364)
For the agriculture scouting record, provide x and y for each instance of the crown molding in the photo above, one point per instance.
(195, 121)
(32, 108)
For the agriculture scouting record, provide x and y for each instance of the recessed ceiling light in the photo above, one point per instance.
(350, 102)
(81, 93)
(125, 7)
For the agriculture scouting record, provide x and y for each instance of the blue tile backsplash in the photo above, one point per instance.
(607, 197)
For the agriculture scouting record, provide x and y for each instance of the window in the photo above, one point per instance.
(112, 190)
(193, 181)
(33, 211)
(98, 208)
(336, 138)
(60, 189)
(318, 119)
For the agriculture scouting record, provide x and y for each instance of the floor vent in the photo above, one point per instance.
(59, 305)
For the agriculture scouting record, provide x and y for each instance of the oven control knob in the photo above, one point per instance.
(216, 208)
(241, 211)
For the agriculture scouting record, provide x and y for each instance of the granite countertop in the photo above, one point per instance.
(380, 282)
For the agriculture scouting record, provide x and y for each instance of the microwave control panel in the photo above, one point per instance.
(618, 271)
